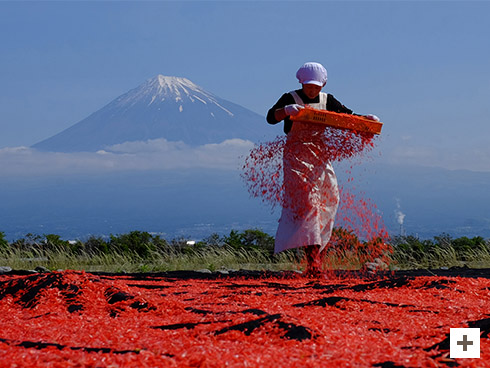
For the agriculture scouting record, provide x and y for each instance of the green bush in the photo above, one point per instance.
(412, 247)
(160, 243)
(137, 242)
(442, 250)
(96, 245)
(250, 239)
(54, 242)
(464, 243)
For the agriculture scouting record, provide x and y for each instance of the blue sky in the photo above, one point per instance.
(422, 67)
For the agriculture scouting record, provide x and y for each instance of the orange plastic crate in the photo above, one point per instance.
(338, 120)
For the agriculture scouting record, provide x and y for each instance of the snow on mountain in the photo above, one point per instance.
(166, 107)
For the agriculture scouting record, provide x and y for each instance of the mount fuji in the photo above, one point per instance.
(166, 107)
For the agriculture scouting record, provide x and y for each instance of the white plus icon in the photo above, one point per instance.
(465, 343)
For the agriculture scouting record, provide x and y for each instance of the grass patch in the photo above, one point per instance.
(250, 249)
(141, 252)
(410, 252)
(212, 259)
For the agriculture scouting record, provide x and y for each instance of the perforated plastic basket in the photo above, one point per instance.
(337, 120)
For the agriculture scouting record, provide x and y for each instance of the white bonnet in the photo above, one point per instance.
(312, 73)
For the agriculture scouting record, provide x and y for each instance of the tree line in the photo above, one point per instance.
(140, 243)
(145, 244)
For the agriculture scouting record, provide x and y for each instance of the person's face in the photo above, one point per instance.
(311, 90)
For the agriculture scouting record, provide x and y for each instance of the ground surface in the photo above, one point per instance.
(243, 319)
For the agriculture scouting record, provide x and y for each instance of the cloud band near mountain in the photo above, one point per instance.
(154, 154)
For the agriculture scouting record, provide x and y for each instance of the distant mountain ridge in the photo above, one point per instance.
(173, 108)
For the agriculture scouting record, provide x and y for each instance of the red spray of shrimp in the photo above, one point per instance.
(359, 235)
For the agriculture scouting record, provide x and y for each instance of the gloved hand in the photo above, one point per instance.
(292, 110)
(372, 117)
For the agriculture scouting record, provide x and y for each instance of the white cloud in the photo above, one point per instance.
(156, 154)
(160, 154)
(152, 145)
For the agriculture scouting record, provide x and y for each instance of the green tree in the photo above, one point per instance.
(414, 248)
(465, 244)
(233, 240)
(96, 245)
(54, 242)
(250, 239)
(139, 242)
(160, 243)
(256, 238)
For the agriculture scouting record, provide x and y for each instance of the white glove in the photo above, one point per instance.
(372, 117)
(292, 110)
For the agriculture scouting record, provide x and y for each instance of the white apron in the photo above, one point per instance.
(311, 194)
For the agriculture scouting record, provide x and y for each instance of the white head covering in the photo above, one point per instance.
(312, 73)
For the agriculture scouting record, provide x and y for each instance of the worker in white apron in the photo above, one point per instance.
(311, 193)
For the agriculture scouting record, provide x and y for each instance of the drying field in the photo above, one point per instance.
(243, 319)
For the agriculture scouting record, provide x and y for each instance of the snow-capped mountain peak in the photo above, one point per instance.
(174, 85)
(170, 89)
(173, 108)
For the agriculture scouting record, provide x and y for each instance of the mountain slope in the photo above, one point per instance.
(163, 107)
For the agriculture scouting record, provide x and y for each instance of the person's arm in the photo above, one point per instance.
(280, 114)
(288, 111)
(279, 111)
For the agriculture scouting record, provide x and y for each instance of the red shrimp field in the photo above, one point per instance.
(243, 319)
